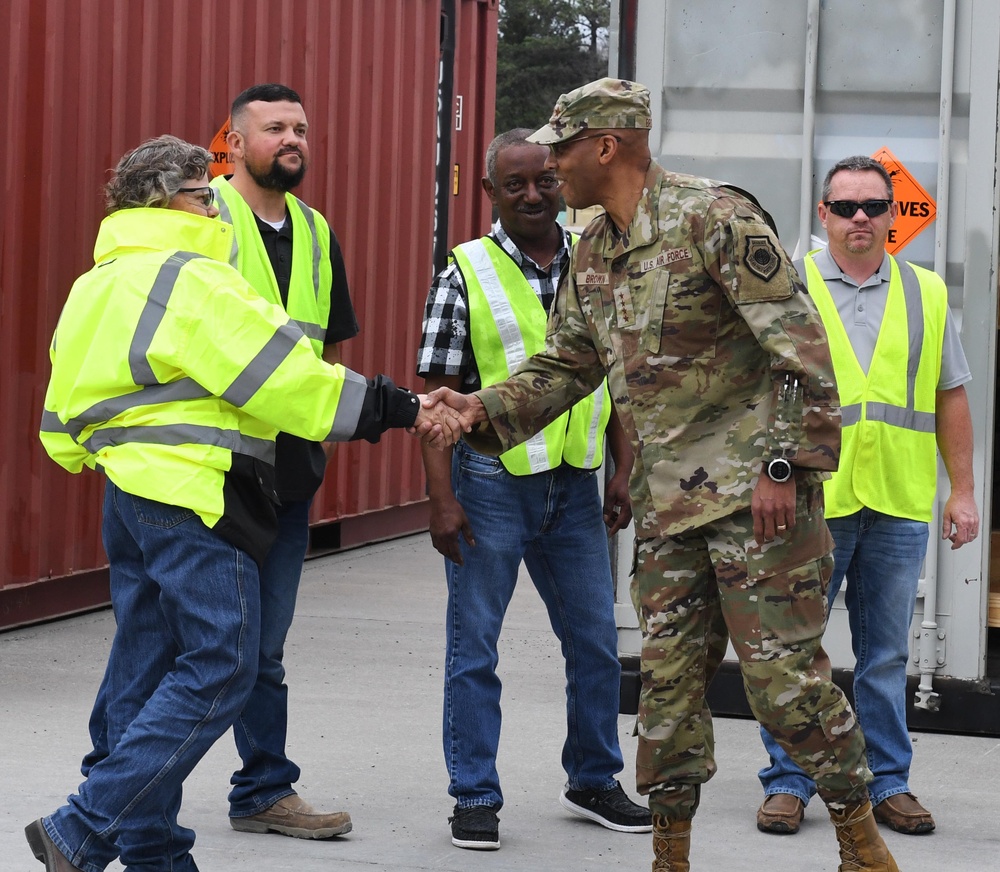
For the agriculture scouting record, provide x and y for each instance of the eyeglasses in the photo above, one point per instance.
(205, 194)
(560, 148)
(849, 208)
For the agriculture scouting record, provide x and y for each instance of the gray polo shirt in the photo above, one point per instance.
(861, 308)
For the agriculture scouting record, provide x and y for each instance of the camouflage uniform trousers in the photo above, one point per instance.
(693, 592)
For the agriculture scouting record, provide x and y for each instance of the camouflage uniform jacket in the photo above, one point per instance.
(715, 354)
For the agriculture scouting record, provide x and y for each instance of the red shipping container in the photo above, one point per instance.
(89, 79)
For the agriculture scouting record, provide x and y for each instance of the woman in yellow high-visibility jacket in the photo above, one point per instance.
(172, 376)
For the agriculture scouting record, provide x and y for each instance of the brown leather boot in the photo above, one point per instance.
(861, 846)
(293, 816)
(671, 845)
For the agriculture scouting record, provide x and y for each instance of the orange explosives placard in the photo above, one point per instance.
(914, 207)
(222, 165)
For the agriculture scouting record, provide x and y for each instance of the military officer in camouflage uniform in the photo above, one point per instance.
(719, 366)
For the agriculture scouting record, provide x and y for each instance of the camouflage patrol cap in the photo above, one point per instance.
(606, 103)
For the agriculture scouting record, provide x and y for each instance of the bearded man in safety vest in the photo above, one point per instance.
(171, 376)
(486, 312)
(900, 370)
(288, 252)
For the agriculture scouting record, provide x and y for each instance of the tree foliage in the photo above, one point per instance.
(547, 47)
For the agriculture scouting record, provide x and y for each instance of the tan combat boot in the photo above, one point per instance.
(861, 846)
(671, 845)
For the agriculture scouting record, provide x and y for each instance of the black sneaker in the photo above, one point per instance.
(610, 808)
(476, 827)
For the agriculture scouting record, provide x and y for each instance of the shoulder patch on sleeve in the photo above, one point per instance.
(762, 267)
(761, 257)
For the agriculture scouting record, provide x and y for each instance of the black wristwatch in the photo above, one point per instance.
(778, 470)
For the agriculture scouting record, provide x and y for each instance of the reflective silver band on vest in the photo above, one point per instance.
(317, 254)
(595, 423)
(850, 414)
(152, 314)
(262, 367)
(510, 334)
(914, 327)
(908, 419)
(352, 398)
(313, 331)
(226, 214)
(183, 434)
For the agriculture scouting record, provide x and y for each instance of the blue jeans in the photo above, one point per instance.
(551, 520)
(267, 774)
(181, 665)
(881, 557)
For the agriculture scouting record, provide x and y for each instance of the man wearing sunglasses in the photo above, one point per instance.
(288, 252)
(901, 373)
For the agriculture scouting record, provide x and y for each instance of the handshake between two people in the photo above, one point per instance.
(445, 415)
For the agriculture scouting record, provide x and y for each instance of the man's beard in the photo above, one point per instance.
(278, 177)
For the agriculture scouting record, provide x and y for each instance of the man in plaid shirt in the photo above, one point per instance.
(539, 503)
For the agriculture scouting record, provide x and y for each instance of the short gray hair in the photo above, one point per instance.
(152, 174)
(500, 142)
(856, 163)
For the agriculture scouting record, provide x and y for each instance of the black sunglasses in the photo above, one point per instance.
(205, 194)
(849, 208)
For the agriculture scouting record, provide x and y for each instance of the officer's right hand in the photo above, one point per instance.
(448, 520)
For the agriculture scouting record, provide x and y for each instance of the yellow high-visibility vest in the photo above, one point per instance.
(507, 325)
(312, 275)
(888, 454)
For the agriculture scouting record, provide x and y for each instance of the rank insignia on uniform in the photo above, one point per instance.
(623, 307)
(761, 257)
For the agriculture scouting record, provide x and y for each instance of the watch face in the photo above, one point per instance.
(779, 470)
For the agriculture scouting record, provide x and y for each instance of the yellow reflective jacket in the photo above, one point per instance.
(171, 374)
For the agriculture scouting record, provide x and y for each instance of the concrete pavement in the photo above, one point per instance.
(365, 670)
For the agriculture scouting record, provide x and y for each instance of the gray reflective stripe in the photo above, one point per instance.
(914, 327)
(908, 419)
(500, 307)
(311, 221)
(850, 414)
(52, 424)
(182, 389)
(352, 400)
(905, 417)
(313, 331)
(265, 362)
(183, 434)
(152, 314)
(226, 214)
(538, 453)
(595, 423)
